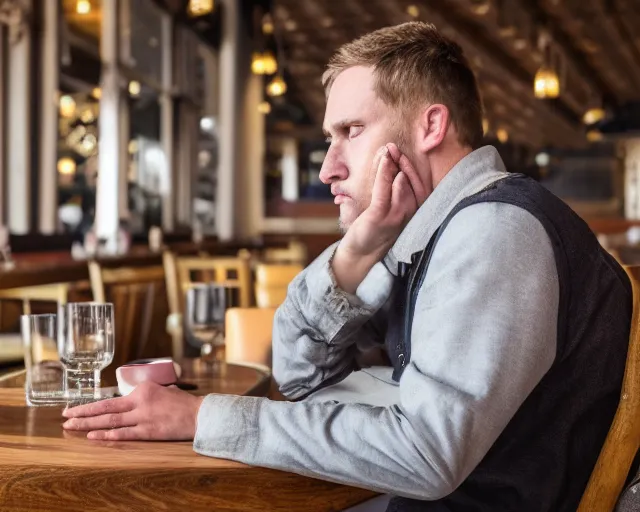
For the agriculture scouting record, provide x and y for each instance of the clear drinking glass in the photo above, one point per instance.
(46, 383)
(206, 305)
(86, 348)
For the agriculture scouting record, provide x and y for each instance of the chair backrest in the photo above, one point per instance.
(137, 294)
(623, 440)
(229, 272)
(272, 282)
(57, 293)
(248, 333)
(295, 253)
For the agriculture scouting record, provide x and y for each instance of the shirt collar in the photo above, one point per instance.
(470, 175)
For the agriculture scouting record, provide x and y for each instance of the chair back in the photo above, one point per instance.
(140, 308)
(234, 273)
(272, 282)
(295, 253)
(623, 440)
(57, 293)
(248, 333)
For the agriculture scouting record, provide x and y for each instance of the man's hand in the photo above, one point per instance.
(150, 413)
(398, 192)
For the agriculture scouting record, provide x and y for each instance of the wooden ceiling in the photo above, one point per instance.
(597, 41)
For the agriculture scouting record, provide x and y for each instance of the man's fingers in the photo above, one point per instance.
(405, 165)
(119, 434)
(113, 405)
(104, 421)
(403, 200)
(386, 173)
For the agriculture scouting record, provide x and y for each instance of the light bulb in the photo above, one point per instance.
(83, 7)
(134, 88)
(199, 7)
(269, 63)
(257, 64)
(67, 106)
(546, 84)
(593, 115)
(277, 87)
(66, 166)
(503, 135)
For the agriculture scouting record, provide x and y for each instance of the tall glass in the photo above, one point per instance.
(206, 305)
(45, 383)
(87, 347)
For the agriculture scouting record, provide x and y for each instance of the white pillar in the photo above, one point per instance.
(229, 111)
(290, 172)
(48, 129)
(109, 146)
(166, 122)
(19, 134)
(3, 199)
(632, 178)
(249, 192)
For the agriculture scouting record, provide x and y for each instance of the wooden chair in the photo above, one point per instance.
(623, 440)
(248, 335)
(138, 297)
(272, 282)
(229, 272)
(179, 272)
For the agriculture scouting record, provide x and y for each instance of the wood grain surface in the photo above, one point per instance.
(43, 468)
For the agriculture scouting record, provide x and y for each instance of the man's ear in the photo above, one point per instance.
(433, 125)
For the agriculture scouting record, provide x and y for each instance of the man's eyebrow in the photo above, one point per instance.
(341, 125)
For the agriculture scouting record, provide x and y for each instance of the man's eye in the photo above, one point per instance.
(354, 131)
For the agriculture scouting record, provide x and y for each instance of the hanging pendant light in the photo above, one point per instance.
(503, 135)
(270, 63)
(546, 84)
(593, 115)
(257, 64)
(277, 86)
(83, 7)
(199, 7)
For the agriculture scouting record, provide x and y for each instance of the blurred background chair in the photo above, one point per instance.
(248, 335)
(272, 281)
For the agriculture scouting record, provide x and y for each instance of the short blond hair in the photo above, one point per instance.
(415, 65)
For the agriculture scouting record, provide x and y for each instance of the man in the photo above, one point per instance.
(505, 322)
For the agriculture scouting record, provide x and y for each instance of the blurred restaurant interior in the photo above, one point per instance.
(147, 145)
(136, 132)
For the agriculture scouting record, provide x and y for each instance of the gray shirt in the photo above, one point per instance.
(483, 335)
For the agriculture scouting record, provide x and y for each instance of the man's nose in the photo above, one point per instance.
(333, 169)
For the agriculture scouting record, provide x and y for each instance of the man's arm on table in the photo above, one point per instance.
(484, 334)
(319, 329)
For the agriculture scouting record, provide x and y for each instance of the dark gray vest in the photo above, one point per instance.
(543, 459)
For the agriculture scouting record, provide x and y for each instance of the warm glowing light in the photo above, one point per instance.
(67, 106)
(267, 24)
(546, 84)
(277, 87)
(83, 7)
(87, 116)
(89, 143)
(503, 135)
(593, 115)
(96, 93)
(485, 126)
(257, 64)
(543, 159)
(66, 166)
(199, 7)
(134, 88)
(413, 11)
(264, 107)
(481, 7)
(133, 146)
(594, 136)
(270, 63)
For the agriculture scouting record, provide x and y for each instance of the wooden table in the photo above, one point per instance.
(43, 468)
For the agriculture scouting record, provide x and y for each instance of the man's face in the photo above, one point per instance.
(358, 123)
